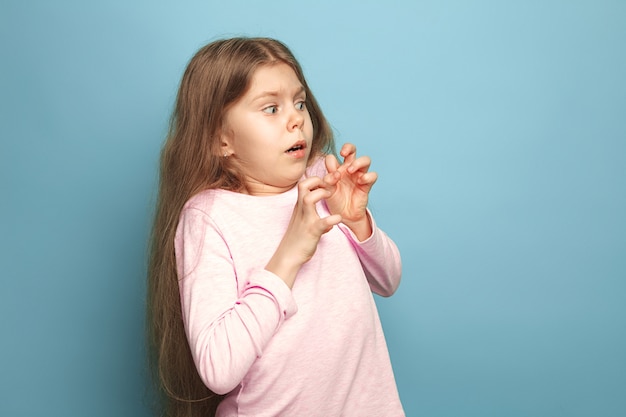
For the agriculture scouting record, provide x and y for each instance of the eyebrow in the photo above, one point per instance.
(266, 94)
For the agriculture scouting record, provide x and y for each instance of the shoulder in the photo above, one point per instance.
(201, 213)
(201, 201)
(208, 201)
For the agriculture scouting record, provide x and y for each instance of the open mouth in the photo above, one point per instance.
(298, 146)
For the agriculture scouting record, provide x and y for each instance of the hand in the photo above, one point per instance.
(350, 184)
(304, 231)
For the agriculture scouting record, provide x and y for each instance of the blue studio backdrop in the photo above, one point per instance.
(498, 129)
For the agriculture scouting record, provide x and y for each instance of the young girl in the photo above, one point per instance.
(264, 254)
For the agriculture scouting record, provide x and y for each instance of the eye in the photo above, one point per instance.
(270, 109)
(301, 105)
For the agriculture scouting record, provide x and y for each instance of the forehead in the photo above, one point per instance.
(274, 79)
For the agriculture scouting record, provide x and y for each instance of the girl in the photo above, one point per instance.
(264, 254)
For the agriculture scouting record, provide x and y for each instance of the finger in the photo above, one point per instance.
(312, 198)
(362, 163)
(307, 185)
(331, 163)
(328, 222)
(369, 178)
(347, 149)
(305, 188)
(331, 179)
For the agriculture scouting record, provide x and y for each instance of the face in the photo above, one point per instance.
(268, 131)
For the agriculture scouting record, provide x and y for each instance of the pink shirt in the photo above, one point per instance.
(315, 350)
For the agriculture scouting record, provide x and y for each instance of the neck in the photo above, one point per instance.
(259, 189)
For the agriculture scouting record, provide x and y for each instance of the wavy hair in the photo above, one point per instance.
(191, 161)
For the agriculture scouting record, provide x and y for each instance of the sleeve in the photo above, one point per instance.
(226, 330)
(379, 257)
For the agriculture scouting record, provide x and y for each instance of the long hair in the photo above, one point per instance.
(191, 161)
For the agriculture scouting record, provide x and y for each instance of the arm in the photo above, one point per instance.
(350, 183)
(226, 331)
(303, 232)
(379, 257)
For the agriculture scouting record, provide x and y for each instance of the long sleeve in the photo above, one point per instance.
(379, 255)
(316, 349)
(380, 259)
(229, 319)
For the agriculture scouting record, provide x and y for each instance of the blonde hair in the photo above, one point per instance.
(191, 161)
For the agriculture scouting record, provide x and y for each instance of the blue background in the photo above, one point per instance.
(498, 130)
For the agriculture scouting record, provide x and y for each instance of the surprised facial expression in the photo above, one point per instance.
(268, 131)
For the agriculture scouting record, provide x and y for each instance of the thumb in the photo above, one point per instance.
(331, 221)
(331, 163)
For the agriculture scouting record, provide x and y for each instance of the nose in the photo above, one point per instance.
(296, 120)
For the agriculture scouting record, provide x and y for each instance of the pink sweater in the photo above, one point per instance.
(315, 350)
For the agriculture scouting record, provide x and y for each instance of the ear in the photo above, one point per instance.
(225, 138)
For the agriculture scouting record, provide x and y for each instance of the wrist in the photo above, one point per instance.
(361, 228)
(284, 268)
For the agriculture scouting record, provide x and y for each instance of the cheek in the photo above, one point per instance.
(308, 126)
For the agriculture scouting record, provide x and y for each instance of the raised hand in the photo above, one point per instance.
(304, 231)
(350, 184)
